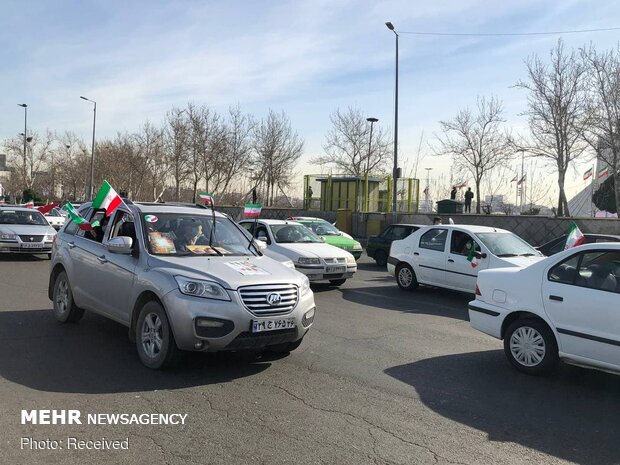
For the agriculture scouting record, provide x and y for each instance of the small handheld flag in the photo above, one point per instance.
(206, 198)
(107, 199)
(575, 237)
(603, 172)
(77, 219)
(252, 210)
(471, 258)
(587, 174)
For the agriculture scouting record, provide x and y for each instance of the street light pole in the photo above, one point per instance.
(92, 153)
(428, 186)
(25, 107)
(390, 26)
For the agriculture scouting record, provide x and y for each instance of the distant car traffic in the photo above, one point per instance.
(564, 307)
(25, 230)
(450, 256)
(379, 246)
(314, 258)
(331, 235)
(179, 279)
(55, 218)
(557, 245)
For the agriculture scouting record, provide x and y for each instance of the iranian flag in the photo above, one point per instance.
(603, 171)
(206, 198)
(47, 208)
(77, 219)
(587, 174)
(107, 199)
(252, 210)
(471, 258)
(575, 237)
(29, 204)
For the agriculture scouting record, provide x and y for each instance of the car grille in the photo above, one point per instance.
(341, 260)
(28, 238)
(255, 298)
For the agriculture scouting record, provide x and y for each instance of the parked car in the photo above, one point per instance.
(562, 308)
(55, 218)
(557, 245)
(25, 230)
(179, 279)
(331, 235)
(442, 255)
(314, 258)
(379, 246)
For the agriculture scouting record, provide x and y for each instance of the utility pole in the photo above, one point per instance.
(428, 187)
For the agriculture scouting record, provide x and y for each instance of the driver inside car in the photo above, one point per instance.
(189, 233)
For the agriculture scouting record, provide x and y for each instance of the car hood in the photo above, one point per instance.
(520, 262)
(340, 241)
(317, 249)
(230, 272)
(24, 229)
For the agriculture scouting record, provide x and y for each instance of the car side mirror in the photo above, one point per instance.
(480, 255)
(120, 245)
(261, 244)
(262, 239)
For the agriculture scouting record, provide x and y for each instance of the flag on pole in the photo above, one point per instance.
(252, 210)
(471, 258)
(460, 184)
(107, 199)
(522, 180)
(29, 204)
(587, 174)
(206, 198)
(515, 178)
(77, 219)
(47, 208)
(603, 172)
(575, 237)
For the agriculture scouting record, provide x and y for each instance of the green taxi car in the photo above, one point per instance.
(331, 235)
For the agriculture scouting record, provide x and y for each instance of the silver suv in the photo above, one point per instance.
(181, 278)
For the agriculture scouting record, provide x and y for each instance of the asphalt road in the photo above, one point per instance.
(383, 377)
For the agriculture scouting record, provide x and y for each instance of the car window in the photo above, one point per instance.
(400, 232)
(435, 239)
(293, 233)
(124, 226)
(600, 270)
(566, 271)
(506, 244)
(387, 233)
(558, 247)
(461, 243)
(98, 232)
(71, 228)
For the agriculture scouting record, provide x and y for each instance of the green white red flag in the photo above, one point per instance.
(206, 198)
(252, 210)
(77, 219)
(575, 237)
(603, 171)
(47, 208)
(107, 199)
(471, 258)
(587, 174)
(29, 204)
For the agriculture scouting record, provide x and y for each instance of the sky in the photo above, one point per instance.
(138, 59)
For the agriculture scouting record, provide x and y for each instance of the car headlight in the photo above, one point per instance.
(309, 261)
(305, 287)
(49, 238)
(198, 288)
(9, 237)
(350, 260)
(357, 246)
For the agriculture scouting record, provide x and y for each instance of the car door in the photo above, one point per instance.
(383, 240)
(581, 296)
(117, 271)
(429, 257)
(462, 273)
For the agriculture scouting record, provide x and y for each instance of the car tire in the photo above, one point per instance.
(65, 310)
(381, 258)
(405, 277)
(531, 347)
(284, 348)
(155, 342)
(49, 256)
(337, 282)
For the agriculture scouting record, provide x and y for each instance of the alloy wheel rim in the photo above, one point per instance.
(62, 297)
(527, 346)
(405, 277)
(152, 335)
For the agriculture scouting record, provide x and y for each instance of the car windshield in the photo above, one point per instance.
(322, 228)
(191, 234)
(507, 245)
(288, 233)
(22, 217)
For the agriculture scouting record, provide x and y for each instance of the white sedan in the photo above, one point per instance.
(564, 307)
(311, 256)
(451, 256)
(55, 218)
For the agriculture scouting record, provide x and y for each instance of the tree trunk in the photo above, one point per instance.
(478, 197)
(561, 195)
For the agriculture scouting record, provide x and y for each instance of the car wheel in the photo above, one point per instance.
(65, 310)
(284, 348)
(381, 258)
(531, 347)
(337, 282)
(155, 342)
(405, 277)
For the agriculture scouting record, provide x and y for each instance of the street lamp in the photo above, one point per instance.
(428, 188)
(390, 26)
(92, 153)
(25, 107)
(372, 121)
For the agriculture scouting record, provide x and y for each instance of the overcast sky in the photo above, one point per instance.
(138, 59)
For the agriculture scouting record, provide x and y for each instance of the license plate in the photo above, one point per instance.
(258, 326)
(336, 269)
(32, 245)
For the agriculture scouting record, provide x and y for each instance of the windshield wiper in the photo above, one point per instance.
(529, 254)
(508, 255)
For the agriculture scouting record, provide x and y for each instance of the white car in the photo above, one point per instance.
(55, 218)
(311, 256)
(564, 307)
(442, 256)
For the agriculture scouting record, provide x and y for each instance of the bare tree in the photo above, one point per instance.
(72, 166)
(603, 132)
(497, 181)
(237, 140)
(277, 149)
(28, 166)
(348, 146)
(557, 112)
(176, 149)
(476, 141)
(151, 145)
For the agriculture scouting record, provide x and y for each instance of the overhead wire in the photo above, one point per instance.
(500, 34)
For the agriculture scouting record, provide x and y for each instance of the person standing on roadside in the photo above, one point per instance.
(453, 193)
(468, 196)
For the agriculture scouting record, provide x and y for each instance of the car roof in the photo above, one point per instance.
(411, 224)
(473, 228)
(308, 218)
(274, 222)
(185, 209)
(597, 246)
(18, 208)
